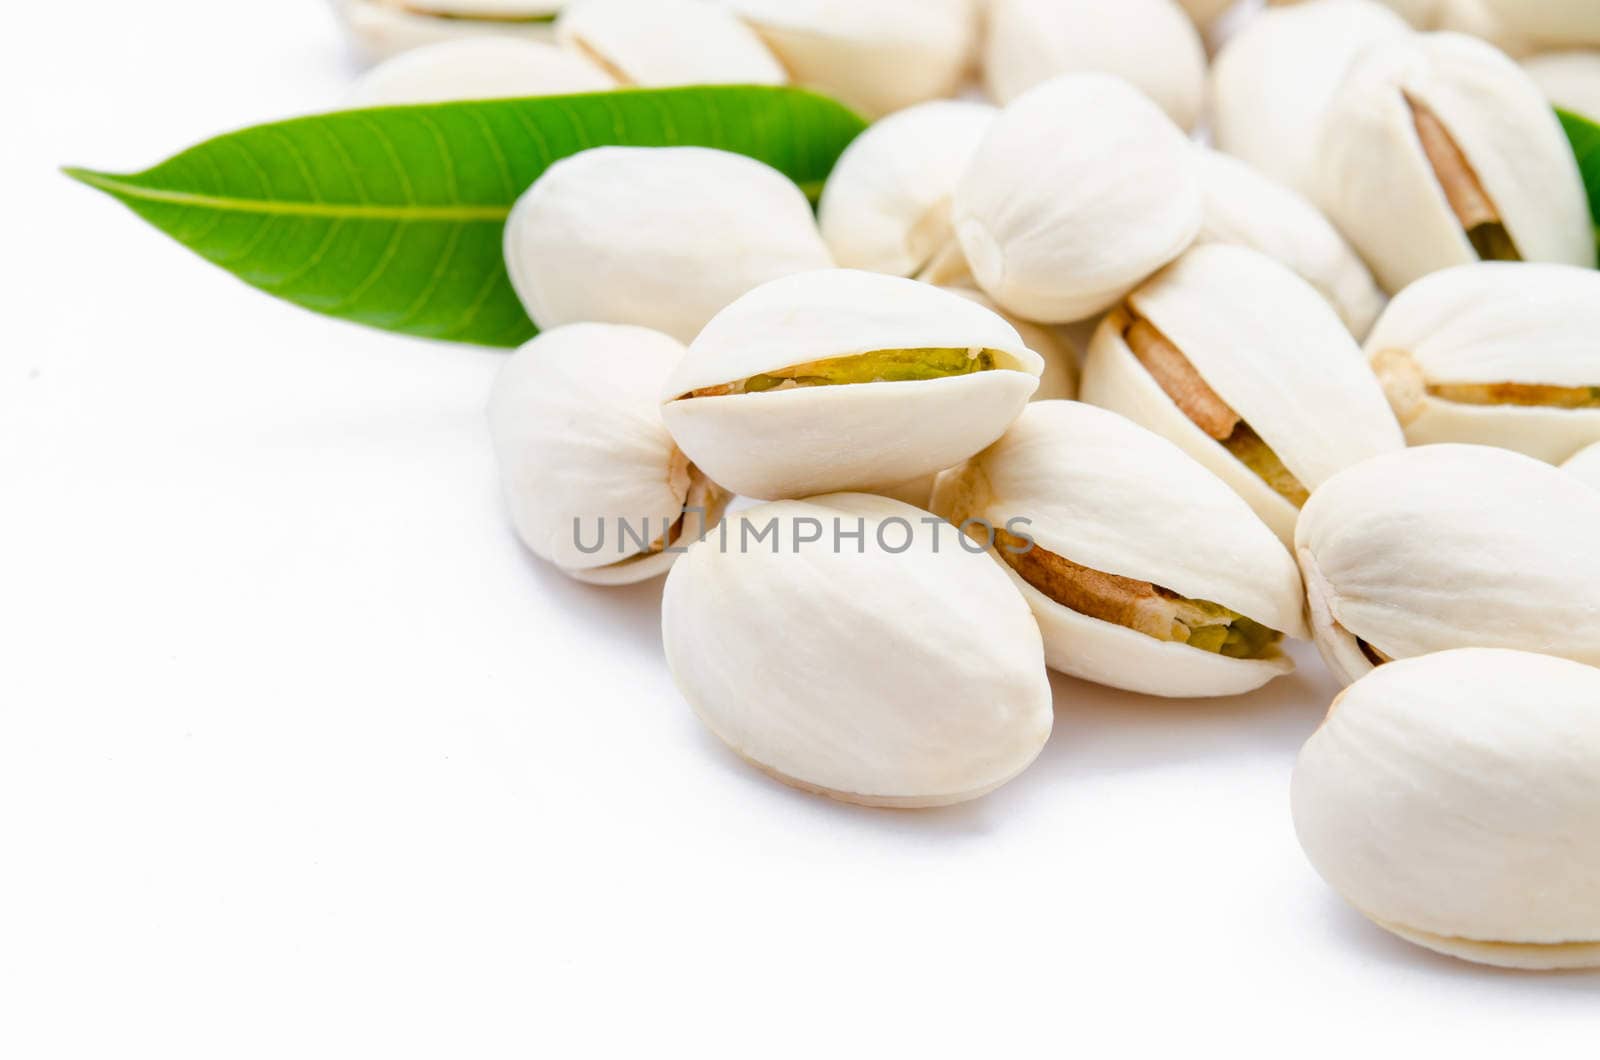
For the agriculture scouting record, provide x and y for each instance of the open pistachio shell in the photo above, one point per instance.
(477, 68)
(662, 237)
(1450, 546)
(667, 42)
(1585, 466)
(1440, 151)
(1495, 354)
(878, 57)
(1144, 571)
(901, 671)
(886, 206)
(1152, 44)
(1247, 369)
(1272, 82)
(594, 483)
(1452, 799)
(1135, 202)
(1247, 209)
(842, 379)
(1569, 79)
(380, 29)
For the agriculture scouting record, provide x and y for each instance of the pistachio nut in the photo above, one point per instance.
(1570, 80)
(380, 29)
(848, 651)
(1059, 380)
(1135, 202)
(1452, 800)
(1450, 546)
(1495, 354)
(1247, 209)
(594, 482)
(845, 380)
(878, 57)
(642, 42)
(1144, 571)
(477, 68)
(1585, 465)
(1248, 370)
(662, 237)
(1151, 44)
(1440, 151)
(1272, 82)
(886, 205)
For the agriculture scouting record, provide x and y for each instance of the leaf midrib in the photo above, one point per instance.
(462, 213)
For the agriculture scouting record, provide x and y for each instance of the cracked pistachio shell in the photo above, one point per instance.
(1104, 493)
(1452, 799)
(1059, 380)
(886, 206)
(1570, 80)
(1269, 346)
(878, 57)
(577, 431)
(901, 672)
(1151, 44)
(1451, 546)
(1486, 324)
(805, 440)
(1586, 466)
(1244, 208)
(662, 237)
(668, 42)
(477, 68)
(1273, 80)
(380, 29)
(1135, 202)
(1379, 187)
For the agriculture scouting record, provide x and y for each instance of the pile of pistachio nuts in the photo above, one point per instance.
(1047, 382)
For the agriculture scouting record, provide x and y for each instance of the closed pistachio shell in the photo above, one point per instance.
(1059, 379)
(1585, 466)
(1439, 151)
(1450, 546)
(878, 57)
(845, 380)
(1272, 82)
(1247, 369)
(662, 237)
(477, 68)
(886, 206)
(1135, 202)
(1151, 44)
(1570, 80)
(904, 671)
(1247, 209)
(380, 29)
(1496, 353)
(668, 42)
(594, 483)
(1452, 799)
(1135, 551)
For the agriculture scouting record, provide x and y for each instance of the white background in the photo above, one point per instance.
(300, 755)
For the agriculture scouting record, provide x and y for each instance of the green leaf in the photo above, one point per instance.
(392, 217)
(1585, 137)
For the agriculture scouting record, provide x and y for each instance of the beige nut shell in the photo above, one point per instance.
(904, 673)
(1452, 799)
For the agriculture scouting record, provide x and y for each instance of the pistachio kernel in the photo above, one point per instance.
(1478, 215)
(879, 366)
